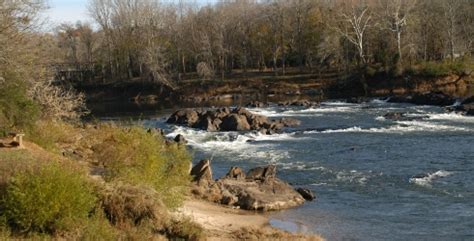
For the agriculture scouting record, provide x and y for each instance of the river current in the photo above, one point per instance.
(375, 179)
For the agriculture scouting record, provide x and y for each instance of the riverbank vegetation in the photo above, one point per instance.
(71, 180)
(171, 42)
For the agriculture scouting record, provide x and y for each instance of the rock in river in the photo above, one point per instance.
(224, 119)
(260, 189)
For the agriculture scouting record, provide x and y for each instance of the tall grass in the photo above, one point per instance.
(134, 156)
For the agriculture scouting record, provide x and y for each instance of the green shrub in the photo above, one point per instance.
(50, 199)
(438, 69)
(98, 228)
(50, 134)
(17, 110)
(134, 156)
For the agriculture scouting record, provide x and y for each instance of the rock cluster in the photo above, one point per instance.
(258, 189)
(430, 98)
(302, 103)
(225, 119)
(256, 104)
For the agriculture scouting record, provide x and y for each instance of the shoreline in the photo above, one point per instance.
(224, 223)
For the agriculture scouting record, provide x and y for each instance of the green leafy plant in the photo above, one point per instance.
(53, 198)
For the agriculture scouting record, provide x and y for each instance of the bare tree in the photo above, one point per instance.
(353, 23)
(395, 19)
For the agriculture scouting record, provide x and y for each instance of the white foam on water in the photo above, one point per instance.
(336, 103)
(378, 101)
(452, 117)
(240, 145)
(296, 111)
(400, 127)
(352, 176)
(427, 180)
(301, 166)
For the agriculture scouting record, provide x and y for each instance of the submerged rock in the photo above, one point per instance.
(401, 116)
(180, 139)
(260, 189)
(302, 103)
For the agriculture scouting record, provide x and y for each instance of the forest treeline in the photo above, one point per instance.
(164, 42)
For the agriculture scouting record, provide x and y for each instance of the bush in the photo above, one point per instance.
(186, 229)
(126, 205)
(134, 156)
(98, 228)
(17, 110)
(48, 134)
(437, 69)
(53, 198)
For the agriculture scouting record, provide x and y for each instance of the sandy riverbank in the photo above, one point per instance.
(223, 223)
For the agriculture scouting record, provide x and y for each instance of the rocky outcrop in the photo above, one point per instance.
(430, 98)
(202, 172)
(235, 122)
(184, 117)
(260, 189)
(224, 119)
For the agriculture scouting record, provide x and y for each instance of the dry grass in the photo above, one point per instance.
(126, 205)
(271, 234)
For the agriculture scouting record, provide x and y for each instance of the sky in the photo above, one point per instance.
(76, 10)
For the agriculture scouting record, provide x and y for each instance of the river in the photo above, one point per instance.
(375, 179)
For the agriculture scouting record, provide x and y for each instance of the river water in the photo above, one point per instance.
(375, 179)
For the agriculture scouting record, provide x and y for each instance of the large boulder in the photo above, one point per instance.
(262, 173)
(307, 194)
(184, 117)
(260, 190)
(209, 124)
(202, 171)
(274, 194)
(224, 119)
(235, 122)
(258, 121)
(235, 173)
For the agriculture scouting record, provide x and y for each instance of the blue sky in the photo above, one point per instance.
(76, 10)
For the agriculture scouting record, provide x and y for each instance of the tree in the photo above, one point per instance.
(395, 18)
(352, 24)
